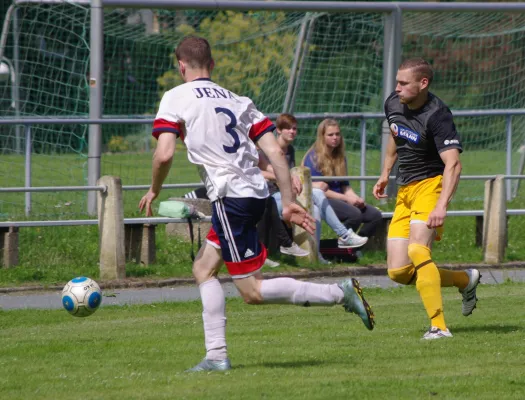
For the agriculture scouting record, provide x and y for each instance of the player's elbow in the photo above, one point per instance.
(274, 153)
(163, 156)
(455, 166)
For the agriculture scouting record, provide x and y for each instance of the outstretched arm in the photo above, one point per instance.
(162, 159)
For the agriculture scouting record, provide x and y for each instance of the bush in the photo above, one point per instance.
(118, 144)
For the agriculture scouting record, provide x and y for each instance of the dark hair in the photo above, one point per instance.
(195, 51)
(285, 121)
(421, 68)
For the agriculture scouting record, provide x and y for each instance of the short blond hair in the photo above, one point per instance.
(420, 67)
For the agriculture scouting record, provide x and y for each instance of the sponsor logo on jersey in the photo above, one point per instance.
(452, 141)
(404, 133)
(394, 129)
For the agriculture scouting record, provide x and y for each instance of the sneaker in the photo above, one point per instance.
(322, 260)
(351, 240)
(209, 365)
(270, 263)
(294, 250)
(436, 333)
(354, 302)
(469, 293)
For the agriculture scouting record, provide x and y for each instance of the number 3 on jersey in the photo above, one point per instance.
(230, 129)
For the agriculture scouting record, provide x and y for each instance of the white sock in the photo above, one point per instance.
(349, 231)
(288, 290)
(214, 318)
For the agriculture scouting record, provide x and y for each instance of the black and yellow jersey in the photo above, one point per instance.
(420, 136)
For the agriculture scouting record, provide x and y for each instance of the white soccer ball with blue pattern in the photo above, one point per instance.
(81, 296)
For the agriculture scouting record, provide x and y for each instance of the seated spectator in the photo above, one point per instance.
(286, 125)
(327, 158)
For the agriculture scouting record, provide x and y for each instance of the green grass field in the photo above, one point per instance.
(277, 352)
(52, 255)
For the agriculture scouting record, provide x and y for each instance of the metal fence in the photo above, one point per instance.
(161, 220)
(362, 117)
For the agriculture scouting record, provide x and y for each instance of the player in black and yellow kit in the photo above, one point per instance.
(425, 142)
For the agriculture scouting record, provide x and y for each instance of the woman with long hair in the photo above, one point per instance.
(327, 157)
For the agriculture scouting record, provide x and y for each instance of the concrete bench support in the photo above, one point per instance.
(140, 245)
(378, 241)
(495, 221)
(111, 228)
(9, 246)
(301, 237)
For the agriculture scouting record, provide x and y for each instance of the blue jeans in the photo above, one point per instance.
(327, 213)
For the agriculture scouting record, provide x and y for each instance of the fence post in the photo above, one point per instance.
(362, 172)
(301, 237)
(96, 98)
(392, 49)
(9, 246)
(29, 148)
(111, 229)
(495, 220)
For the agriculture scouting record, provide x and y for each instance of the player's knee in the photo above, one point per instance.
(201, 273)
(403, 275)
(252, 297)
(418, 253)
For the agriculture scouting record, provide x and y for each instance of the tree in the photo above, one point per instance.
(250, 49)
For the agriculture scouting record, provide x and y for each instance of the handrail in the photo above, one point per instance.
(103, 188)
(163, 220)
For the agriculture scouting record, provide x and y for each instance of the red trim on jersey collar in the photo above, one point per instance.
(260, 128)
(161, 125)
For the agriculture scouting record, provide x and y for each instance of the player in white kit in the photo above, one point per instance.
(220, 130)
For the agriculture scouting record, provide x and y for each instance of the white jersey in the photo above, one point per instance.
(219, 129)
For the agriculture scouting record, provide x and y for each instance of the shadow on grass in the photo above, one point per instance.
(488, 328)
(293, 364)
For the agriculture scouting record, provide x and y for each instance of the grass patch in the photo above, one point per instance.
(278, 352)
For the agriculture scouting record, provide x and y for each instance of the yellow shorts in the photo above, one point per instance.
(414, 204)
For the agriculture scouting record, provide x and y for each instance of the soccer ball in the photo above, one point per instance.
(81, 296)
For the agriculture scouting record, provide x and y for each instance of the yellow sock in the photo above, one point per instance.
(428, 284)
(450, 278)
